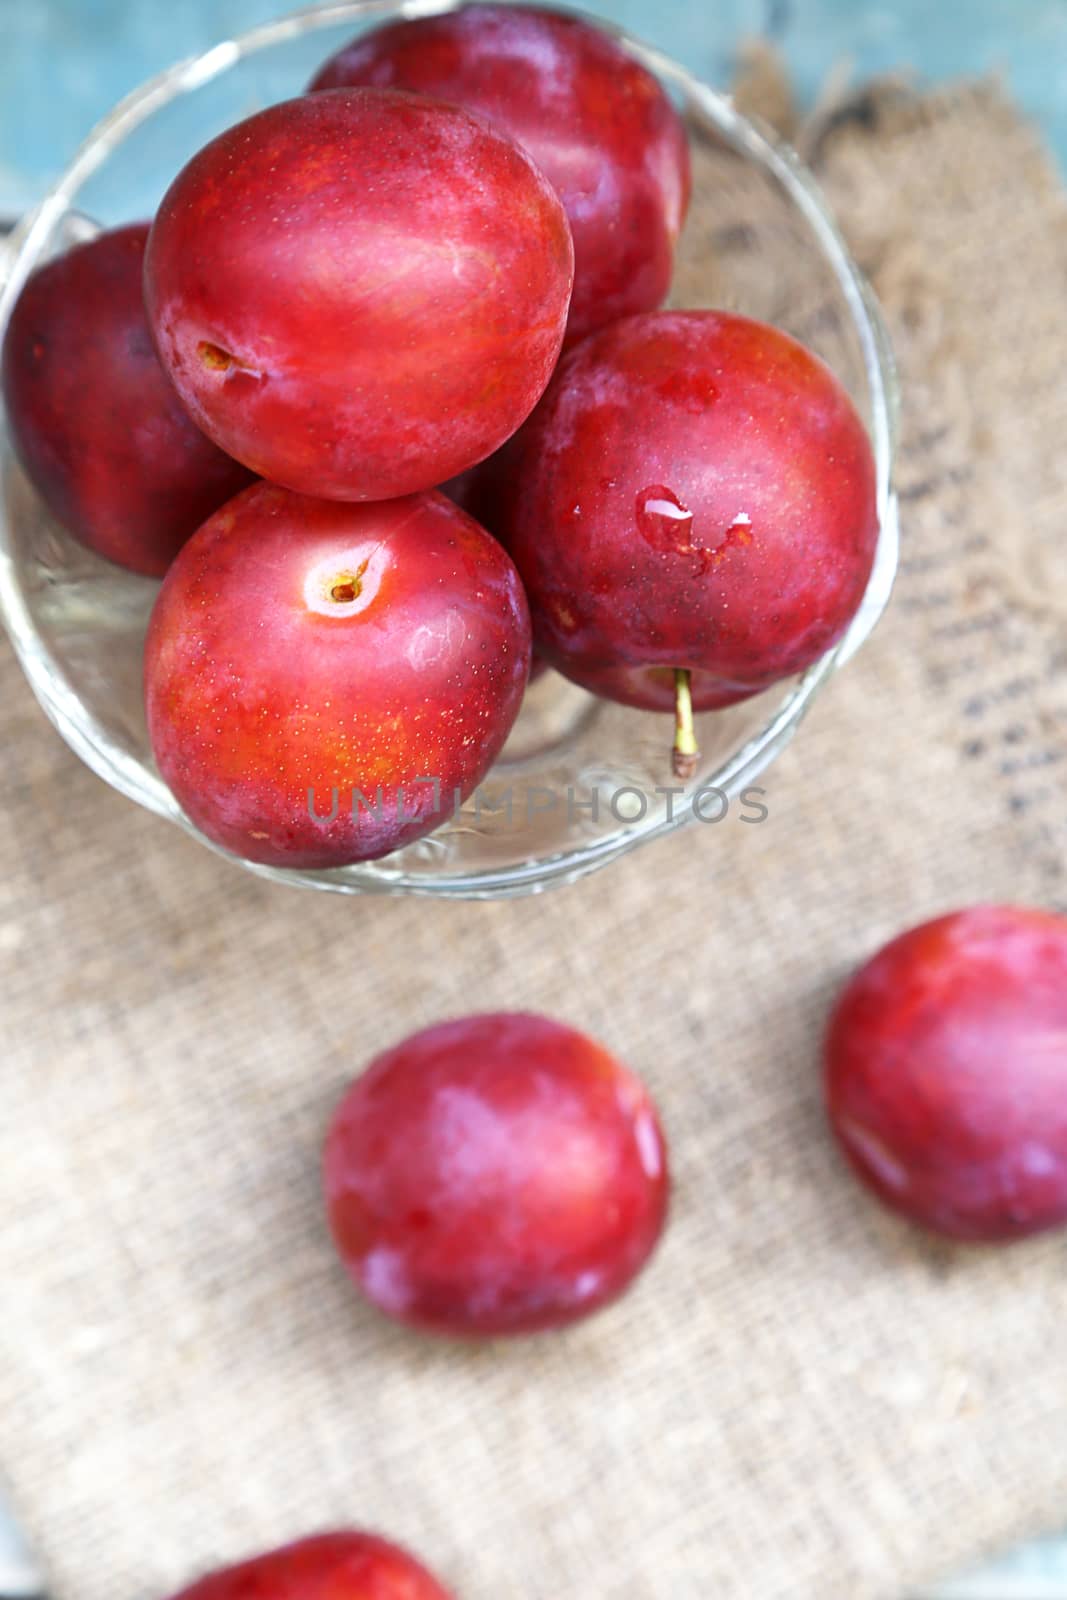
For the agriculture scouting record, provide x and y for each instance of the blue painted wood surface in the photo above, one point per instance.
(63, 63)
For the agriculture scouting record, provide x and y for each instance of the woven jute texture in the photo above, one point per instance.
(801, 1397)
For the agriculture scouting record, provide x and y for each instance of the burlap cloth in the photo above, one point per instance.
(802, 1397)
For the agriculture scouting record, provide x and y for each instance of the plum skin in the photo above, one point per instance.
(325, 1566)
(473, 492)
(304, 654)
(359, 293)
(596, 122)
(696, 490)
(946, 1073)
(94, 419)
(499, 1174)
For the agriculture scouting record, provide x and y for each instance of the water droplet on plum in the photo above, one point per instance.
(664, 519)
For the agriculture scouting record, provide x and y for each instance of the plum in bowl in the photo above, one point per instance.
(581, 780)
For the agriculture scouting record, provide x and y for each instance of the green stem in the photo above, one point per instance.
(685, 755)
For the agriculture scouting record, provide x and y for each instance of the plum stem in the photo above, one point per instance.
(348, 586)
(686, 752)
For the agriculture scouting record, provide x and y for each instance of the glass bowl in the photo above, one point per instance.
(581, 781)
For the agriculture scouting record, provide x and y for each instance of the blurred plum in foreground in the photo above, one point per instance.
(946, 1073)
(327, 1566)
(495, 1175)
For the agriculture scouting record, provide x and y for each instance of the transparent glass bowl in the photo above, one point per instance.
(580, 781)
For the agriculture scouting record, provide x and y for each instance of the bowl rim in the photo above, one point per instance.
(751, 138)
